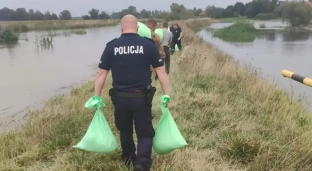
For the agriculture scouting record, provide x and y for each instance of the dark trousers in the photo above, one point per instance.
(127, 110)
(167, 60)
(174, 43)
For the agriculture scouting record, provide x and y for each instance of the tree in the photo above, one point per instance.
(259, 6)
(47, 16)
(86, 17)
(297, 13)
(104, 15)
(7, 14)
(65, 15)
(94, 14)
(31, 14)
(196, 12)
(21, 14)
(145, 14)
(132, 10)
(239, 8)
(230, 8)
(39, 15)
(116, 15)
(54, 16)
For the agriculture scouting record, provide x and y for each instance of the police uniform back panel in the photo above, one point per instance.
(129, 58)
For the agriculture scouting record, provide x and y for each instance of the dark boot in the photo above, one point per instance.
(143, 159)
(138, 167)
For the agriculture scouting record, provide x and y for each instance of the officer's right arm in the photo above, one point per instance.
(157, 63)
(104, 67)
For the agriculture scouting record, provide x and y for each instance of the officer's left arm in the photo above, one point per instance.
(180, 34)
(104, 67)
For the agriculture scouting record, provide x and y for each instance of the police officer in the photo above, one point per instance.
(176, 40)
(129, 58)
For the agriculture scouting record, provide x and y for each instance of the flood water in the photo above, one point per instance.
(31, 74)
(272, 52)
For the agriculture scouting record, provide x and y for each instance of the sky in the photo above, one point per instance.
(81, 7)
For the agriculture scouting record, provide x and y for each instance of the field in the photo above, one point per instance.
(231, 119)
(23, 26)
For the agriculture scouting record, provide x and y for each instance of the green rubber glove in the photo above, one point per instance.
(165, 99)
(95, 102)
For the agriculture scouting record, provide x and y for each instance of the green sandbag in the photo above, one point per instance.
(167, 135)
(144, 31)
(99, 137)
(177, 48)
(160, 33)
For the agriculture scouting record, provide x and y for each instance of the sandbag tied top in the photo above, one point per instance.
(95, 102)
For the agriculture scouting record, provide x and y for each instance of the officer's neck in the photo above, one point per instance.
(129, 32)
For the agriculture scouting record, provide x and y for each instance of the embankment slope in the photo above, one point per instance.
(232, 120)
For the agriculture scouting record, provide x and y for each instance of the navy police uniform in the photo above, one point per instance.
(129, 58)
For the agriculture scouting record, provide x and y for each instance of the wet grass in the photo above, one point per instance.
(237, 32)
(231, 118)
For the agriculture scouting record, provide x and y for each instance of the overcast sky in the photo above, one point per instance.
(81, 7)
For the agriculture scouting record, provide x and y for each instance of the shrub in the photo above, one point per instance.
(265, 16)
(8, 36)
(238, 32)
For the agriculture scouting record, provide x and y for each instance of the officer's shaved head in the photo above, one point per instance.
(129, 24)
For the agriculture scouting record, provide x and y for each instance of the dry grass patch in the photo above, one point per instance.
(232, 120)
(23, 26)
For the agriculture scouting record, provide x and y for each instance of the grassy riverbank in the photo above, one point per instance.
(23, 26)
(238, 32)
(231, 119)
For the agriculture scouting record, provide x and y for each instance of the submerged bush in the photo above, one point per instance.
(8, 36)
(238, 32)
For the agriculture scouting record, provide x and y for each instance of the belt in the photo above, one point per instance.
(130, 94)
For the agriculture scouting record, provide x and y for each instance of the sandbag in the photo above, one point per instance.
(99, 136)
(160, 33)
(144, 31)
(177, 48)
(167, 135)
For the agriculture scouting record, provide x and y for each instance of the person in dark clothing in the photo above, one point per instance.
(176, 39)
(171, 28)
(129, 57)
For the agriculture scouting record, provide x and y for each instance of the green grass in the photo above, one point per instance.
(230, 117)
(238, 32)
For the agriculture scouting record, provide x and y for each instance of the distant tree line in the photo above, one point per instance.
(177, 11)
(296, 13)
